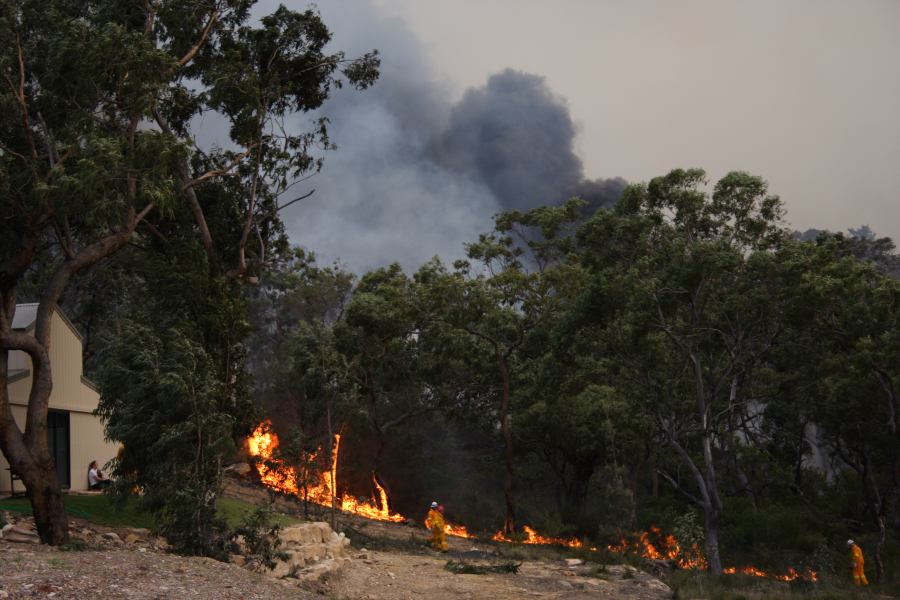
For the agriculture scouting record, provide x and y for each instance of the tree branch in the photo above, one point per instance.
(20, 96)
(303, 197)
(203, 37)
(193, 201)
(680, 489)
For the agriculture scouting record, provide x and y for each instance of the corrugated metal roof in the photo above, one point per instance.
(25, 316)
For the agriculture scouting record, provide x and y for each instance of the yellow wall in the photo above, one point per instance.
(70, 393)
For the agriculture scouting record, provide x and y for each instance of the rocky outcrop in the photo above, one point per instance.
(15, 533)
(313, 550)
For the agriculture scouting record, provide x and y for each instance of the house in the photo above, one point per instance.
(75, 434)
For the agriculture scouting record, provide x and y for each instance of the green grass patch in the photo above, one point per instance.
(234, 512)
(100, 510)
(96, 509)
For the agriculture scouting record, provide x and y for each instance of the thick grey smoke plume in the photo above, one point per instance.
(416, 176)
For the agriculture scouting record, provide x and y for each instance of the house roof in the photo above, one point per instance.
(25, 316)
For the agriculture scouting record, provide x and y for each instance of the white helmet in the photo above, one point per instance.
(434, 505)
(849, 542)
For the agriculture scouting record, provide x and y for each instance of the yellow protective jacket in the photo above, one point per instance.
(435, 522)
(859, 563)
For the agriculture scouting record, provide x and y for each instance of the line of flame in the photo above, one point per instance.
(533, 537)
(275, 474)
(668, 548)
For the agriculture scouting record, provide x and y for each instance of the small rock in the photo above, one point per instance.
(111, 536)
(4, 594)
(391, 575)
(574, 562)
(142, 550)
(238, 468)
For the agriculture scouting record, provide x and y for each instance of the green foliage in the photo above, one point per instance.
(163, 400)
(99, 154)
(259, 540)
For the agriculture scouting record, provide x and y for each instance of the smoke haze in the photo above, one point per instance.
(416, 174)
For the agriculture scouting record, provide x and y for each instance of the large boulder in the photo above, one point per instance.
(312, 549)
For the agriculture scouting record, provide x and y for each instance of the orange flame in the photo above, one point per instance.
(458, 531)
(791, 574)
(319, 487)
(666, 547)
(533, 537)
(262, 444)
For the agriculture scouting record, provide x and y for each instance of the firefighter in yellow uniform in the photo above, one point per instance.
(435, 522)
(858, 563)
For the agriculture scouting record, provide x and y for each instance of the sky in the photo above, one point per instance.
(496, 104)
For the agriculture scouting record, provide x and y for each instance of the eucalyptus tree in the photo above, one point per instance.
(381, 343)
(523, 270)
(98, 146)
(688, 271)
(845, 347)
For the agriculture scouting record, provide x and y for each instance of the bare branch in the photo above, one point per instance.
(303, 197)
(203, 37)
(679, 489)
(220, 171)
(150, 7)
(20, 96)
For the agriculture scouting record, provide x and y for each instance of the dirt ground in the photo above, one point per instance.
(36, 571)
(393, 562)
(397, 576)
(388, 562)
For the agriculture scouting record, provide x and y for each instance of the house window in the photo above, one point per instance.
(58, 441)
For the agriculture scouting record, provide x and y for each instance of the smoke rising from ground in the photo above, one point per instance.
(416, 175)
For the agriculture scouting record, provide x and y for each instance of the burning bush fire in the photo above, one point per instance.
(533, 537)
(655, 545)
(320, 488)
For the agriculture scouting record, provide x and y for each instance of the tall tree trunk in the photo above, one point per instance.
(709, 482)
(876, 507)
(509, 523)
(29, 456)
(879, 549)
(711, 530)
(332, 471)
(47, 503)
(578, 487)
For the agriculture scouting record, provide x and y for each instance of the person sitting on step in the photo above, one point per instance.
(96, 479)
